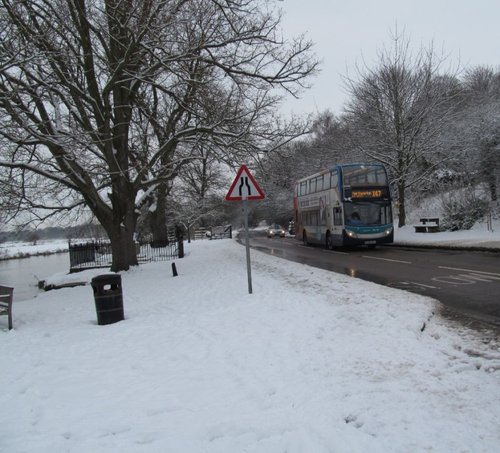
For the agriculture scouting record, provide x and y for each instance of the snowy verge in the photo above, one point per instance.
(312, 361)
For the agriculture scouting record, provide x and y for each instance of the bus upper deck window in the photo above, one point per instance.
(334, 179)
(326, 181)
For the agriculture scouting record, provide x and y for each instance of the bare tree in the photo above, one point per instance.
(198, 198)
(397, 111)
(96, 97)
(480, 132)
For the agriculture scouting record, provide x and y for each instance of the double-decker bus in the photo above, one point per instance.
(344, 205)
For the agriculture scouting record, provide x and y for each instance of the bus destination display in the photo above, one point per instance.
(374, 193)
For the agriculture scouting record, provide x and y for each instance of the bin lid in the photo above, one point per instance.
(106, 278)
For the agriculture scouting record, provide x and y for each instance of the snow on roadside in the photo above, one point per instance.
(311, 362)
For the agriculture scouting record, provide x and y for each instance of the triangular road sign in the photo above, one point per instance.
(244, 187)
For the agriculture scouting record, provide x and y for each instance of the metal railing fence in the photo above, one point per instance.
(97, 253)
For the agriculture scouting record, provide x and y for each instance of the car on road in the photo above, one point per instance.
(275, 230)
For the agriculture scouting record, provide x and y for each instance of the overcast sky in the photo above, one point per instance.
(348, 32)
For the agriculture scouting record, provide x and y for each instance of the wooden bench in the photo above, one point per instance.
(427, 225)
(6, 296)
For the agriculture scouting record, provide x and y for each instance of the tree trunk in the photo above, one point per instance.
(490, 169)
(158, 217)
(123, 249)
(120, 227)
(401, 208)
(492, 184)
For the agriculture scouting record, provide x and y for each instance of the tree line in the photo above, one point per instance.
(136, 114)
(432, 127)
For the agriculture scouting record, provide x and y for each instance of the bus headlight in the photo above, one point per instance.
(351, 234)
(388, 231)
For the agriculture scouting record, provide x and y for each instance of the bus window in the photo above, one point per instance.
(326, 181)
(364, 175)
(311, 218)
(319, 183)
(337, 216)
(322, 216)
(385, 214)
(334, 179)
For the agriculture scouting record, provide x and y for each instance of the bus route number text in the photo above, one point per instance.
(366, 194)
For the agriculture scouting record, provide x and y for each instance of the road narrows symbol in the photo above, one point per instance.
(244, 182)
(244, 187)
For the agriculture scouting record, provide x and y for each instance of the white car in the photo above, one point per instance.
(275, 230)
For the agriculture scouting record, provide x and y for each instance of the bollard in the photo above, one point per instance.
(174, 270)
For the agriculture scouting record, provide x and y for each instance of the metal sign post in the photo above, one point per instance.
(247, 245)
(244, 188)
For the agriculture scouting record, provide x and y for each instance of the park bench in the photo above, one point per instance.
(427, 225)
(6, 296)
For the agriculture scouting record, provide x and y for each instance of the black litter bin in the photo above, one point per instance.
(108, 298)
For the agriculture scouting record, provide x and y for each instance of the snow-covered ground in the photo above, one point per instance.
(312, 361)
(480, 236)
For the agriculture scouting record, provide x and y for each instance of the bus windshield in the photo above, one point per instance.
(367, 213)
(364, 175)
